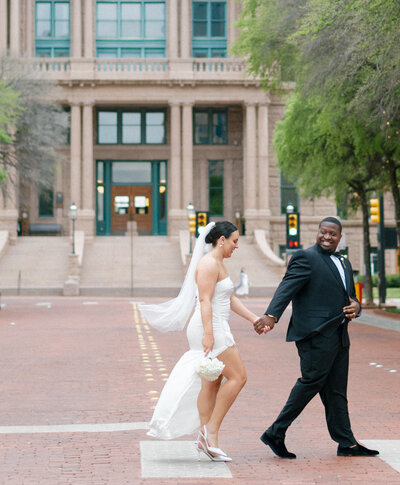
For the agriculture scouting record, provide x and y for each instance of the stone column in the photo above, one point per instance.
(187, 153)
(87, 157)
(15, 47)
(229, 207)
(88, 29)
(87, 214)
(204, 185)
(75, 170)
(250, 167)
(263, 159)
(3, 26)
(76, 28)
(186, 23)
(231, 19)
(173, 30)
(29, 28)
(174, 171)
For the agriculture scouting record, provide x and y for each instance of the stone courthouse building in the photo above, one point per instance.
(161, 115)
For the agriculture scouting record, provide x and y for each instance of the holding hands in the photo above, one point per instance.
(264, 324)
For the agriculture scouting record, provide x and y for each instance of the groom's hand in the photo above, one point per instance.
(264, 324)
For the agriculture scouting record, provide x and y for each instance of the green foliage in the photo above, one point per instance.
(9, 111)
(324, 151)
(392, 280)
(265, 27)
(32, 150)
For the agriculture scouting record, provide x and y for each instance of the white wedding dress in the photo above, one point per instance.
(176, 412)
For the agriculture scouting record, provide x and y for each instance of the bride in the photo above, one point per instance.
(189, 403)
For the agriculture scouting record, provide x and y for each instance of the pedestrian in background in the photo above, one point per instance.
(243, 287)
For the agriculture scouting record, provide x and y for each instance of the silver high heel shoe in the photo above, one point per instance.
(215, 454)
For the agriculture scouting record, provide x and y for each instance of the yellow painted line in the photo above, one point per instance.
(148, 343)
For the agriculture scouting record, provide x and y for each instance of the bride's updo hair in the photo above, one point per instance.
(222, 228)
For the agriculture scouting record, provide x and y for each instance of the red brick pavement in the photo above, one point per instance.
(78, 363)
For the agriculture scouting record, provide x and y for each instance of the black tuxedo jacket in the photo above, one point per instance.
(313, 283)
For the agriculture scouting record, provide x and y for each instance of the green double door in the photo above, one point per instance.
(131, 190)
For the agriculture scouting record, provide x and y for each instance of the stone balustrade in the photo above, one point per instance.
(148, 69)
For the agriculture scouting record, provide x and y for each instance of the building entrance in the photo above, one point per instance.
(131, 203)
(131, 190)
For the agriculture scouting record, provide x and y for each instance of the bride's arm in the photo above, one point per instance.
(206, 278)
(238, 307)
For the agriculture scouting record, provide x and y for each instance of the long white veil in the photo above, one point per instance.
(174, 314)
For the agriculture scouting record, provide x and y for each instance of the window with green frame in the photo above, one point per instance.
(136, 127)
(209, 29)
(130, 28)
(46, 202)
(52, 28)
(216, 187)
(289, 195)
(210, 126)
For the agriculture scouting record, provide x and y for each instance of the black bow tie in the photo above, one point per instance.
(337, 254)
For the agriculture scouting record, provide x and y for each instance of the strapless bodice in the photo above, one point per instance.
(221, 300)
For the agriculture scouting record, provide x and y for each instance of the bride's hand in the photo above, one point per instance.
(208, 343)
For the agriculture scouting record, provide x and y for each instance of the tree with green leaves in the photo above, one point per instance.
(344, 54)
(9, 112)
(30, 149)
(327, 153)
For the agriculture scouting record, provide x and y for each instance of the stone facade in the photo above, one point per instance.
(178, 83)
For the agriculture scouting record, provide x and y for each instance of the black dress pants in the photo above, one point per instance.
(324, 362)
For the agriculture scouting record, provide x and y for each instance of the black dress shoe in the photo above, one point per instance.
(277, 445)
(358, 450)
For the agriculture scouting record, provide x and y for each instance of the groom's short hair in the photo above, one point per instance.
(332, 220)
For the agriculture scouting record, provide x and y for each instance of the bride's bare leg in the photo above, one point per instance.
(206, 399)
(235, 374)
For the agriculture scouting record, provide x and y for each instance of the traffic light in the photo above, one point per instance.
(374, 208)
(293, 230)
(192, 223)
(201, 220)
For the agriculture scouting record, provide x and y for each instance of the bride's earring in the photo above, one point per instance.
(220, 245)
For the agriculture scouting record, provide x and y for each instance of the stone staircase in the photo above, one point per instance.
(120, 266)
(138, 266)
(35, 265)
(264, 277)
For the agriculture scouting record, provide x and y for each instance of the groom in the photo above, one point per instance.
(320, 284)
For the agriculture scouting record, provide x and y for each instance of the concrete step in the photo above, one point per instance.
(263, 277)
(122, 262)
(35, 262)
(120, 266)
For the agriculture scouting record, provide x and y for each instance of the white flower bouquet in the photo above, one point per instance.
(208, 368)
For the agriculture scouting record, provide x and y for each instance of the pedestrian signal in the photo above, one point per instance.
(293, 230)
(201, 220)
(374, 208)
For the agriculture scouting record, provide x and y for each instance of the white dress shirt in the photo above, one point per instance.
(339, 266)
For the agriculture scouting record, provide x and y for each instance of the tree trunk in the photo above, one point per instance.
(396, 194)
(366, 244)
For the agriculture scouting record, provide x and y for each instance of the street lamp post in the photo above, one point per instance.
(73, 211)
(289, 208)
(192, 223)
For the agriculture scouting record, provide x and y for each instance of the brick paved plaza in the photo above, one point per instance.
(80, 377)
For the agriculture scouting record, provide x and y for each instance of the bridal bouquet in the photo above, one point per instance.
(208, 368)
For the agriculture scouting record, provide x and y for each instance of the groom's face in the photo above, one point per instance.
(328, 236)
